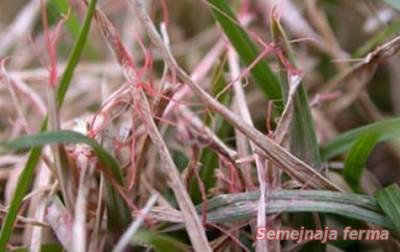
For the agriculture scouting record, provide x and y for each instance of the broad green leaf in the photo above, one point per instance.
(386, 130)
(246, 49)
(66, 136)
(394, 3)
(158, 242)
(389, 200)
(357, 158)
(26, 176)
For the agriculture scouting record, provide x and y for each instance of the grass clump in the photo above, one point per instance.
(271, 117)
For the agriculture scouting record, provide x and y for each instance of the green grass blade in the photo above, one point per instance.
(303, 140)
(75, 54)
(23, 184)
(57, 7)
(246, 49)
(118, 211)
(377, 39)
(242, 206)
(389, 200)
(360, 200)
(26, 176)
(66, 136)
(62, 7)
(118, 214)
(233, 213)
(158, 242)
(357, 158)
(208, 158)
(386, 130)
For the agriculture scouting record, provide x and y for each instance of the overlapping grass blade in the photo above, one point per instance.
(266, 79)
(240, 206)
(247, 50)
(118, 211)
(65, 137)
(209, 159)
(389, 200)
(233, 213)
(26, 176)
(386, 130)
(303, 140)
(360, 200)
(357, 158)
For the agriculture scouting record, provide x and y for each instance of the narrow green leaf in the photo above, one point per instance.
(242, 206)
(234, 213)
(247, 50)
(377, 39)
(25, 179)
(386, 130)
(118, 214)
(389, 200)
(303, 140)
(208, 158)
(118, 211)
(72, 23)
(75, 54)
(357, 158)
(158, 242)
(61, 7)
(360, 200)
(65, 136)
